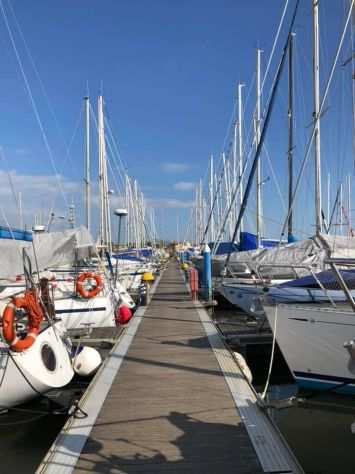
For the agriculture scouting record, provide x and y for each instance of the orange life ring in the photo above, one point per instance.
(80, 285)
(35, 315)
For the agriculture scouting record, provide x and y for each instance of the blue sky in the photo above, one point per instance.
(168, 71)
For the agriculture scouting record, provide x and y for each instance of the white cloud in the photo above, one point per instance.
(38, 185)
(171, 167)
(40, 194)
(184, 186)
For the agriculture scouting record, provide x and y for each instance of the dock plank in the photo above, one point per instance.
(169, 408)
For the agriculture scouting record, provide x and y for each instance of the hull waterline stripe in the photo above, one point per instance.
(326, 378)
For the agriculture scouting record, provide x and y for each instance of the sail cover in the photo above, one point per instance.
(53, 249)
(308, 252)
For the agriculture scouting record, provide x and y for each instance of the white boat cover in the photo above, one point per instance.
(307, 252)
(53, 249)
(339, 246)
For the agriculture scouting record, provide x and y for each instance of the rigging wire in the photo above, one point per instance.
(232, 118)
(36, 71)
(274, 177)
(317, 118)
(33, 103)
(263, 132)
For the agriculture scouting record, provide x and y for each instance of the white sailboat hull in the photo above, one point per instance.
(247, 297)
(312, 342)
(44, 366)
(78, 313)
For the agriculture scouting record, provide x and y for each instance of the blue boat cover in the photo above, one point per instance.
(135, 255)
(15, 234)
(224, 247)
(248, 242)
(327, 278)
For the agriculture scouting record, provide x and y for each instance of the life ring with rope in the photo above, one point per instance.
(81, 281)
(34, 311)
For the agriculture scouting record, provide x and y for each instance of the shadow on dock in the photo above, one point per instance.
(198, 446)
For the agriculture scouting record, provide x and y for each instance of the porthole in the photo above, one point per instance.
(48, 358)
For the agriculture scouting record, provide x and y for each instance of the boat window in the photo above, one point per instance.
(48, 358)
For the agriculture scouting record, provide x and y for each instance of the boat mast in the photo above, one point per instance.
(290, 135)
(211, 199)
(101, 171)
(235, 160)
(128, 223)
(20, 209)
(240, 146)
(352, 26)
(104, 203)
(257, 141)
(226, 193)
(218, 204)
(197, 241)
(318, 203)
(349, 204)
(200, 206)
(87, 163)
(328, 202)
(341, 209)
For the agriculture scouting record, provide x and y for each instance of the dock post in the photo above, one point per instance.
(207, 272)
(193, 280)
(147, 278)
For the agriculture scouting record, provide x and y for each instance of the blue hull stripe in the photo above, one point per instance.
(325, 382)
(326, 378)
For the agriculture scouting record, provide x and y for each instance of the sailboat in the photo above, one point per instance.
(45, 366)
(317, 339)
(36, 357)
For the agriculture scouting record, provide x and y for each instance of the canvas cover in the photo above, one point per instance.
(306, 252)
(53, 249)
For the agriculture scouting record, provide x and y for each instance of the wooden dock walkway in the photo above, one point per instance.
(169, 408)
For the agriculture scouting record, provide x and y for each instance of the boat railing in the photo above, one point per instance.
(293, 267)
(245, 271)
(261, 266)
(334, 264)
